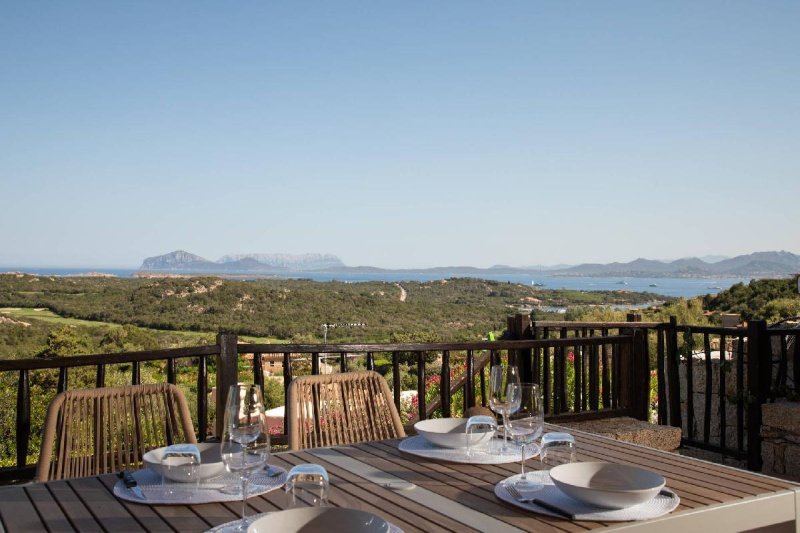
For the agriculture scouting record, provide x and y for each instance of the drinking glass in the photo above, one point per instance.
(499, 399)
(557, 449)
(526, 426)
(307, 485)
(245, 437)
(180, 461)
(479, 429)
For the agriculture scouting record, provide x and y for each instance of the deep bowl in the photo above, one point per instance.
(448, 432)
(211, 464)
(607, 485)
(320, 520)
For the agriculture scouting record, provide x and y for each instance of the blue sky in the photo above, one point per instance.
(398, 134)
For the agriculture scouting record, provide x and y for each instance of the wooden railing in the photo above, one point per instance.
(24, 368)
(547, 367)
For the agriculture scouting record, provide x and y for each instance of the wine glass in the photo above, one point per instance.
(526, 426)
(245, 437)
(499, 399)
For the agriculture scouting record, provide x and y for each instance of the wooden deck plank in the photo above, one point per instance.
(145, 514)
(107, 509)
(18, 512)
(50, 512)
(79, 515)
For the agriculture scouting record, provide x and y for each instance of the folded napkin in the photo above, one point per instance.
(184, 450)
(549, 493)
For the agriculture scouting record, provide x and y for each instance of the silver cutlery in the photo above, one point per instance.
(541, 503)
(273, 471)
(131, 483)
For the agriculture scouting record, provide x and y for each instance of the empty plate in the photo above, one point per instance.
(320, 520)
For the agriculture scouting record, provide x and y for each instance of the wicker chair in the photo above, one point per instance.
(334, 409)
(97, 431)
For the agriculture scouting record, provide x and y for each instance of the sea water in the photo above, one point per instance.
(684, 287)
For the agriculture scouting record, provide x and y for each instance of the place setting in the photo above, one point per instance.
(231, 470)
(477, 439)
(309, 511)
(594, 491)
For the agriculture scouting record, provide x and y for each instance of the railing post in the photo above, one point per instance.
(634, 374)
(396, 379)
(258, 370)
(422, 403)
(759, 370)
(519, 327)
(227, 374)
(23, 418)
(287, 380)
(469, 385)
(202, 398)
(444, 384)
(673, 374)
(171, 374)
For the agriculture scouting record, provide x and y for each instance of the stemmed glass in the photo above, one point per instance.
(526, 426)
(245, 437)
(502, 383)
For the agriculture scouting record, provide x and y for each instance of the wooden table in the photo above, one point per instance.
(444, 496)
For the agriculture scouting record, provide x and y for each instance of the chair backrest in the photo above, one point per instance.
(334, 409)
(97, 431)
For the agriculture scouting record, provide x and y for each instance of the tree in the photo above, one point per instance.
(66, 341)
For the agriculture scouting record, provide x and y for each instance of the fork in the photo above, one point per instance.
(512, 490)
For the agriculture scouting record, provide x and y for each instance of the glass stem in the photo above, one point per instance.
(522, 462)
(244, 498)
(505, 430)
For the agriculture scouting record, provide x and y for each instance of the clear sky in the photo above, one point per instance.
(398, 134)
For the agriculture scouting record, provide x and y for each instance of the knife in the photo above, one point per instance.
(130, 483)
(554, 509)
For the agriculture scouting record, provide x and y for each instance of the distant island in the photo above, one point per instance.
(757, 265)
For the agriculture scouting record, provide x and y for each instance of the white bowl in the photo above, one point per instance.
(211, 464)
(607, 485)
(320, 520)
(448, 432)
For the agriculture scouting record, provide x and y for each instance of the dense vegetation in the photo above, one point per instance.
(764, 299)
(294, 310)
(60, 317)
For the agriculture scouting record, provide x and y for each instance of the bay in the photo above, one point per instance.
(679, 287)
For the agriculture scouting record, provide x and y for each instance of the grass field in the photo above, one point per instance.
(45, 315)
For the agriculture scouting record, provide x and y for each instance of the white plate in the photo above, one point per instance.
(419, 446)
(320, 520)
(448, 432)
(608, 485)
(211, 464)
(660, 505)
